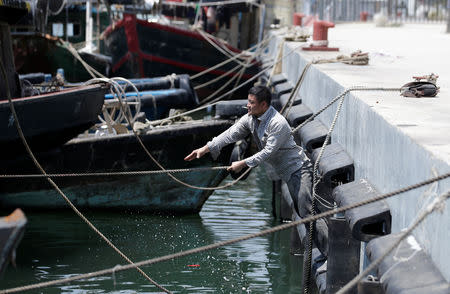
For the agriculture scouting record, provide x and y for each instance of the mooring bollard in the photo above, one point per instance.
(320, 37)
(297, 19)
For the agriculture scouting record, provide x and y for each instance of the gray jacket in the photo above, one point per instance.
(272, 135)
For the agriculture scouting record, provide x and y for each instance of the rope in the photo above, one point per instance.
(27, 147)
(129, 120)
(92, 71)
(348, 60)
(213, 3)
(226, 242)
(107, 174)
(228, 60)
(247, 63)
(278, 59)
(213, 102)
(432, 207)
(218, 47)
(307, 267)
(222, 87)
(218, 78)
(337, 98)
(290, 101)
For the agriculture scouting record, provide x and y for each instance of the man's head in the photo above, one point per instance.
(259, 98)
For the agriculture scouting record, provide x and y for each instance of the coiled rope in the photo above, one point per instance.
(120, 95)
(38, 165)
(227, 242)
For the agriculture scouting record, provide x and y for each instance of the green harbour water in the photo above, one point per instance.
(58, 245)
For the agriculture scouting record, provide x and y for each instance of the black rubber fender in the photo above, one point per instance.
(298, 114)
(366, 222)
(415, 274)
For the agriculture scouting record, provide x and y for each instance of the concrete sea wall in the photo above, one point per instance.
(394, 141)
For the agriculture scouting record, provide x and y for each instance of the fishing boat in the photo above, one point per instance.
(35, 52)
(157, 96)
(12, 228)
(141, 48)
(48, 116)
(50, 119)
(118, 153)
(54, 35)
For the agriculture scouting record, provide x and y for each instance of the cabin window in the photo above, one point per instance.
(69, 30)
(76, 29)
(58, 29)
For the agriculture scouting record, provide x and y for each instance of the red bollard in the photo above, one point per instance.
(320, 37)
(363, 16)
(297, 21)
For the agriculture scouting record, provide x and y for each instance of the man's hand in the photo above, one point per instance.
(237, 166)
(197, 153)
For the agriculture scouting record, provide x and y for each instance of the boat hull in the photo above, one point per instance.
(43, 53)
(50, 119)
(148, 193)
(145, 49)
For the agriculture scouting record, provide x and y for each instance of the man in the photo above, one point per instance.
(276, 147)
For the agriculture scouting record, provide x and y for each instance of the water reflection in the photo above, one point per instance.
(59, 245)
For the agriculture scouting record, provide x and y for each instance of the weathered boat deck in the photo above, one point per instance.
(394, 141)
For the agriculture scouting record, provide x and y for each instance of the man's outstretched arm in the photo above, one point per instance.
(237, 166)
(197, 153)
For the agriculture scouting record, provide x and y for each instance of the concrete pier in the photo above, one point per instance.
(394, 141)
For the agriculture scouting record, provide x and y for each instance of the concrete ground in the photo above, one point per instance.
(397, 54)
(394, 141)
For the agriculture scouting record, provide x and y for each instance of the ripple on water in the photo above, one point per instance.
(253, 266)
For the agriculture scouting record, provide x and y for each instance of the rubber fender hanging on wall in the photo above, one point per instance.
(319, 270)
(416, 273)
(336, 166)
(312, 135)
(240, 151)
(366, 222)
(298, 114)
(343, 255)
(277, 79)
(370, 285)
(285, 97)
(237, 108)
(281, 89)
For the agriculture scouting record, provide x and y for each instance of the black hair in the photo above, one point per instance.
(261, 93)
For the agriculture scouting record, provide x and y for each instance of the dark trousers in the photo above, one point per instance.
(299, 186)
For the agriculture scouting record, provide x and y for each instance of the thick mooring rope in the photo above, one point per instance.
(307, 267)
(227, 242)
(38, 165)
(356, 88)
(432, 207)
(122, 104)
(230, 59)
(119, 173)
